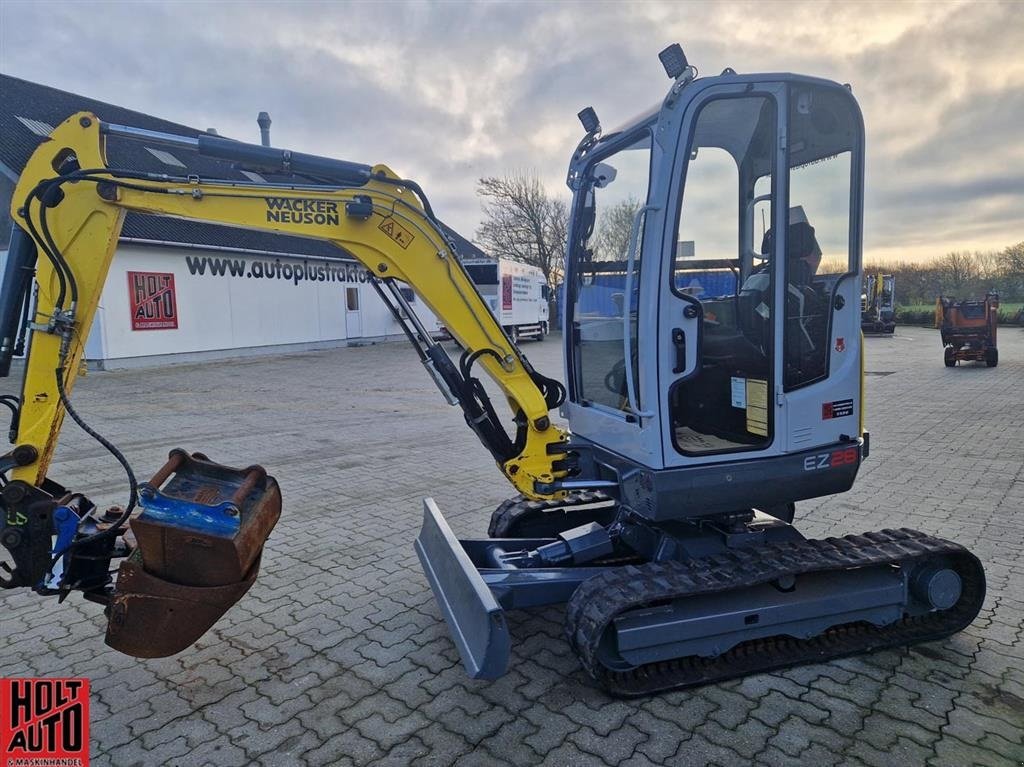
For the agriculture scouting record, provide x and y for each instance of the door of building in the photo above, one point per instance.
(353, 321)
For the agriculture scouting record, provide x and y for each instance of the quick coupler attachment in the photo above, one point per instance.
(475, 620)
(199, 540)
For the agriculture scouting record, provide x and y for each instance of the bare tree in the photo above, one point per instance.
(989, 265)
(1012, 260)
(959, 268)
(523, 222)
(614, 226)
(1013, 257)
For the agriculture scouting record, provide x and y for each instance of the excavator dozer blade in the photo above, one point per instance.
(475, 619)
(199, 541)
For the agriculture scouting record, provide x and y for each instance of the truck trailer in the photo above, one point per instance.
(517, 294)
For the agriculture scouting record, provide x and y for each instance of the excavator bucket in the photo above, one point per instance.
(199, 540)
(153, 618)
(475, 619)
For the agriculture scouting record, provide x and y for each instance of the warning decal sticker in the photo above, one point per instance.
(757, 406)
(838, 409)
(738, 392)
(396, 232)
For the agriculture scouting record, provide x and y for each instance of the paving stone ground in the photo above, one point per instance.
(338, 655)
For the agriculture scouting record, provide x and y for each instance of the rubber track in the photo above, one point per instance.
(514, 510)
(598, 601)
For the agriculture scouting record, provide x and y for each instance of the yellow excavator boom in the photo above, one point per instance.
(381, 222)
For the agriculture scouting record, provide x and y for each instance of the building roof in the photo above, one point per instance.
(29, 111)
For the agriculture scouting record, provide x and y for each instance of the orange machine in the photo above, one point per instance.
(968, 329)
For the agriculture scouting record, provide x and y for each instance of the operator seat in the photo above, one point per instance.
(755, 297)
(806, 321)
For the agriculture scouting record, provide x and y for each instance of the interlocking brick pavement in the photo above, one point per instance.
(338, 655)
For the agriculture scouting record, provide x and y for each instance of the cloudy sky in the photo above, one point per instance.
(445, 93)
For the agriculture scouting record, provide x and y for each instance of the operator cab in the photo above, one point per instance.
(712, 280)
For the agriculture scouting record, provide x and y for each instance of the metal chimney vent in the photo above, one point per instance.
(263, 120)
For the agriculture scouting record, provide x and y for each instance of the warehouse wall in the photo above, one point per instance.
(236, 302)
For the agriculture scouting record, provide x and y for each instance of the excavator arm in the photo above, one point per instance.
(68, 209)
(376, 217)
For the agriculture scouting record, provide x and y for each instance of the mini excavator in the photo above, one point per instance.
(878, 304)
(705, 396)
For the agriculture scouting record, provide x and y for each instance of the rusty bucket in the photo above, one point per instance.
(199, 540)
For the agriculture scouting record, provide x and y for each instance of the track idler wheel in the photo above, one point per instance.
(938, 587)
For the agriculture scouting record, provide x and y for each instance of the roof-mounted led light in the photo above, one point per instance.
(674, 60)
(589, 119)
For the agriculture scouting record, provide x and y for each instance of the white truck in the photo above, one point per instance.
(517, 294)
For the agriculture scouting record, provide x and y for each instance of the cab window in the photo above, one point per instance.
(606, 274)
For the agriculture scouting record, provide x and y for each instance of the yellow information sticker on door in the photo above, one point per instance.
(757, 406)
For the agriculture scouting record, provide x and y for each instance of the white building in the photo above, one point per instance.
(181, 290)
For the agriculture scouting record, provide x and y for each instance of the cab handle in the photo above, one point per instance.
(679, 343)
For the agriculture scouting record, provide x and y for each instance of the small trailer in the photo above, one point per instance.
(968, 329)
(517, 294)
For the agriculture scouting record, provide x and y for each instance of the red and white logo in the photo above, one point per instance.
(44, 722)
(153, 301)
(840, 344)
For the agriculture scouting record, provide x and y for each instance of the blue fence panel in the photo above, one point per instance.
(602, 296)
(714, 282)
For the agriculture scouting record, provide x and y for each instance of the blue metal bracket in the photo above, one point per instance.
(65, 526)
(222, 519)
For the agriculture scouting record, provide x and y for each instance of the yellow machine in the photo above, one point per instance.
(69, 208)
(664, 520)
(878, 304)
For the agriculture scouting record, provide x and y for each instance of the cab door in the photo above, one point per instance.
(720, 285)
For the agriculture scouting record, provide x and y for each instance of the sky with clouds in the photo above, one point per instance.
(445, 93)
